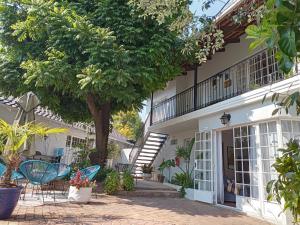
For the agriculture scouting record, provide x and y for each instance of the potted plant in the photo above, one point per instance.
(147, 170)
(165, 164)
(80, 190)
(12, 138)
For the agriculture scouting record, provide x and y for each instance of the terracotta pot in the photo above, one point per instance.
(81, 195)
(160, 178)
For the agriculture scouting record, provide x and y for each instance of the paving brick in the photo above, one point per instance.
(114, 210)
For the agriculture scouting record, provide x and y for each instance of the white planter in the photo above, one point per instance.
(82, 195)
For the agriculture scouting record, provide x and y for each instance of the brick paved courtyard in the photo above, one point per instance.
(129, 210)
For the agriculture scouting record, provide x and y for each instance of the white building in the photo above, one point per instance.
(239, 154)
(78, 133)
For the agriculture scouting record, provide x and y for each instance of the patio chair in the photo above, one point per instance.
(62, 171)
(38, 173)
(15, 175)
(89, 172)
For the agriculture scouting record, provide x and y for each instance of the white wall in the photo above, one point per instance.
(46, 147)
(169, 152)
(168, 92)
(220, 61)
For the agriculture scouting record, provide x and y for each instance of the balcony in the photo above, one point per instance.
(257, 71)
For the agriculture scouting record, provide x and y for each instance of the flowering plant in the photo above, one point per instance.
(81, 181)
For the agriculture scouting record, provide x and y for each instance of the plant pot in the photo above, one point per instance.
(8, 201)
(81, 195)
(147, 176)
(160, 178)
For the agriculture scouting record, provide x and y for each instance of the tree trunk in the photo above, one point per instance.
(101, 115)
(12, 164)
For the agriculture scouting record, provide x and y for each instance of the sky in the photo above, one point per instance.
(196, 7)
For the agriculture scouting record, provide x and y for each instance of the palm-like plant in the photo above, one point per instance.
(12, 138)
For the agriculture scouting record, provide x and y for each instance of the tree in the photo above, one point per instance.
(279, 28)
(128, 123)
(85, 60)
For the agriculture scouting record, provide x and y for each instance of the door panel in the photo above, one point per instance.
(203, 172)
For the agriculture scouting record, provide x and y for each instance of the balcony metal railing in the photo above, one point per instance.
(254, 72)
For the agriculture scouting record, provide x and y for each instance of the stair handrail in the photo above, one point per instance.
(139, 141)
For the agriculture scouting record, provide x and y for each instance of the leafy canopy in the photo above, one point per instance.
(279, 28)
(65, 50)
(128, 123)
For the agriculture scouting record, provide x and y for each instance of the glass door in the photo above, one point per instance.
(203, 172)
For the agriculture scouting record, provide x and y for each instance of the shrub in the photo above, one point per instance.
(128, 181)
(285, 189)
(183, 180)
(102, 174)
(112, 183)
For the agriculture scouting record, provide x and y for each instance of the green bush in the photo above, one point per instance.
(112, 183)
(128, 181)
(183, 180)
(285, 188)
(102, 174)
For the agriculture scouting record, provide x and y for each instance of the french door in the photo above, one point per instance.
(203, 169)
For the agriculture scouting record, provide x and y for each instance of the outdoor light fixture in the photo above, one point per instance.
(225, 118)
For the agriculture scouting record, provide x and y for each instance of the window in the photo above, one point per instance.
(173, 142)
(290, 130)
(74, 141)
(203, 162)
(268, 141)
(246, 167)
(68, 142)
(264, 69)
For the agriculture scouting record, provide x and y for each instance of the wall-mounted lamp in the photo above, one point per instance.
(225, 118)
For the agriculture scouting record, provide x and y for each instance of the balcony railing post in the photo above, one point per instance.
(151, 110)
(195, 85)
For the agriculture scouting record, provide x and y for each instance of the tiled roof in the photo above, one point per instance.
(47, 113)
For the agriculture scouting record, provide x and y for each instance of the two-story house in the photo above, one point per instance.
(236, 136)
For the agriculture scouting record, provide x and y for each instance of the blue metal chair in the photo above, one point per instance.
(15, 176)
(89, 172)
(2, 169)
(39, 173)
(62, 171)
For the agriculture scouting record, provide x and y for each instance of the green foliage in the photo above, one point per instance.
(199, 36)
(147, 168)
(285, 189)
(82, 158)
(102, 174)
(166, 164)
(128, 181)
(183, 179)
(279, 28)
(112, 183)
(12, 138)
(85, 59)
(114, 150)
(128, 123)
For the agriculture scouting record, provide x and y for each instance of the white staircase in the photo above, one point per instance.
(146, 150)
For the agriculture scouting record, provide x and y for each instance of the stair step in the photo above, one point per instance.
(158, 135)
(150, 193)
